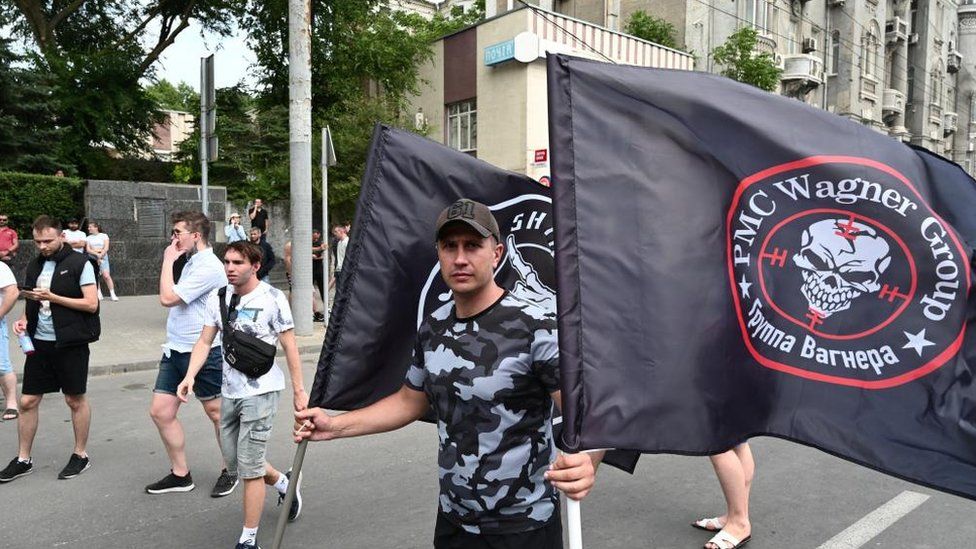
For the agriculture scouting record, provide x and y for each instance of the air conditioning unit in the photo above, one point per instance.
(809, 45)
(954, 62)
(913, 38)
(835, 3)
(896, 29)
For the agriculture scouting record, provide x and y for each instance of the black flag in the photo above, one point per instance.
(734, 263)
(391, 279)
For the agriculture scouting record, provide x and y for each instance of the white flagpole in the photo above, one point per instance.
(574, 524)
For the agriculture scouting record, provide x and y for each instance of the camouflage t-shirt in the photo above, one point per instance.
(488, 379)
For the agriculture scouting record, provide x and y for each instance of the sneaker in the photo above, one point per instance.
(16, 469)
(114, 297)
(76, 466)
(226, 483)
(247, 545)
(296, 504)
(171, 483)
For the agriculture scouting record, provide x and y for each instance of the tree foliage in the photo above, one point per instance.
(177, 98)
(96, 53)
(365, 59)
(651, 28)
(743, 63)
(29, 138)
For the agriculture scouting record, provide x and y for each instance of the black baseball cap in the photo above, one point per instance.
(475, 214)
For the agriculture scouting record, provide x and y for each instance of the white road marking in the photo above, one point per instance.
(876, 521)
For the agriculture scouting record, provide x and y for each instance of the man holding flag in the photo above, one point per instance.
(487, 364)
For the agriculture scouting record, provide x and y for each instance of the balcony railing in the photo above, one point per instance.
(892, 102)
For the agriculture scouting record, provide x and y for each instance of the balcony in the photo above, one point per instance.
(896, 30)
(892, 103)
(950, 119)
(954, 62)
(765, 44)
(801, 67)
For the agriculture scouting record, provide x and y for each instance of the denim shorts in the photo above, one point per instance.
(5, 365)
(245, 428)
(172, 370)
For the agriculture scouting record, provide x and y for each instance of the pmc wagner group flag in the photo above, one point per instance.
(733, 263)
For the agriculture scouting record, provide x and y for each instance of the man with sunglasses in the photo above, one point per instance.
(187, 301)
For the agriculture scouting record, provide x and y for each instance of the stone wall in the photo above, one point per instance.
(136, 215)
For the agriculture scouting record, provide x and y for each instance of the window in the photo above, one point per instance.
(833, 59)
(462, 125)
(870, 50)
(757, 14)
(791, 37)
(911, 84)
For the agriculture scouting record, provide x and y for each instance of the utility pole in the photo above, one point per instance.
(208, 125)
(328, 159)
(300, 149)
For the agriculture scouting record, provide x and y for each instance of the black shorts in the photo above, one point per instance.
(448, 535)
(49, 369)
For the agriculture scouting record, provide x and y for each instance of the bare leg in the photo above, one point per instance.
(212, 408)
(163, 411)
(732, 474)
(80, 421)
(27, 424)
(253, 501)
(9, 384)
(108, 281)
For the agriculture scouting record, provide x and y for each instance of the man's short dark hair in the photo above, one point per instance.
(196, 222)
(248, 250)
(44, 222)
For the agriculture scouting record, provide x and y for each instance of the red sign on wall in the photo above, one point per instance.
(541, 155)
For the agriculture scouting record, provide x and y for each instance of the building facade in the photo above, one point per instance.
(901, 67)
(485, 89)
(167, 135)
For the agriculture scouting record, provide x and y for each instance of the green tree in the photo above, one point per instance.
(651, 28)
(743, 63)
(97, 53)
(365, 58)
(177, 98)
(29, 138)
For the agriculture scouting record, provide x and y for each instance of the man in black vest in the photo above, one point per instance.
(61, 318)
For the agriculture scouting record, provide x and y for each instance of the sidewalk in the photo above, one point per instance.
(133, 329)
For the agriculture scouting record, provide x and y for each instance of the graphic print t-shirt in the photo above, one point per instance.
(488, 379)
(263, 313)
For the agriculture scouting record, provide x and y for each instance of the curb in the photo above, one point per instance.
(127, 368)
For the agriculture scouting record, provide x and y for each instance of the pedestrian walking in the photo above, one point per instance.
(97, 245)
(253, 318)
(9, 242)
(268, 256)
(486, 363)
(60, 318)
(233, 230)
(8, 379)
(187, 303)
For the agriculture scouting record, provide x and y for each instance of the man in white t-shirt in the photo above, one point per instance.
(187, 302)
(74, 237)
(250, 404)
(8, 379)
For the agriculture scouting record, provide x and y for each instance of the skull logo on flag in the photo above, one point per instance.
(841, 260)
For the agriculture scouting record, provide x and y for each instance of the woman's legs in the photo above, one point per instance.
(735, 470)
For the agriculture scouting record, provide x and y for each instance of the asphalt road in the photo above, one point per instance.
(380, 492)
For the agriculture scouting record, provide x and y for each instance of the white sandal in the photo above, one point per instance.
(722, 538)
(708, 524)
